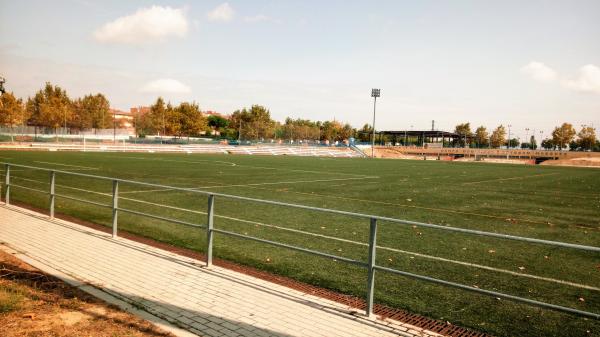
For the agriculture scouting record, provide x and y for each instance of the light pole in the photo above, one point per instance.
(508, 142)
(526, 137)
(541, 138)
(374, 93)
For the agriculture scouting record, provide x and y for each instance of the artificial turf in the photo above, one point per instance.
(551, 203)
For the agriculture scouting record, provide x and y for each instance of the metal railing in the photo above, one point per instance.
(370, 264)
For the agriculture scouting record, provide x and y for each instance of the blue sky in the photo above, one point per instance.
(531, 64)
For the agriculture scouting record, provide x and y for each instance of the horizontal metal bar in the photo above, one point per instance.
(27, 188)
(332, 211)
(491, 293)
(304, 250)
(126, 210)
(82, 200)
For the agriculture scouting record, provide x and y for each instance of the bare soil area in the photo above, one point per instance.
(35, 304)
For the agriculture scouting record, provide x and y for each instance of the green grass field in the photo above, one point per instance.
(552, 203)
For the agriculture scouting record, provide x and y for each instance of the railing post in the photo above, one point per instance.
(371, 266)
(52, 195)
(115, 206)
(7, 183)
(209, 229)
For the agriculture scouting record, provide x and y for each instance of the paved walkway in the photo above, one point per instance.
(206, 301)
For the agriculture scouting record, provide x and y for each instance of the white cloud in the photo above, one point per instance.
(146, 25)
(540, 72)
(587, 80)
(223, 13)
(165, 86)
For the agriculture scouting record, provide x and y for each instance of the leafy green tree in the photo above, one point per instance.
(190, 119)
(512, 143)
(563, 135)
(365, 133)
(548, 144)
(12, 111)
(532, 143)
(217, 123)
(158, 117)
(482, 137)
(50, 107)
(498, 137)
(254, 123)
(587, 138)
(464, 131)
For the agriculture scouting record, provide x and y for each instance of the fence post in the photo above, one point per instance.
(7, 183)
(209, 229)
(371, 266)
(115, 206)
(52, 196)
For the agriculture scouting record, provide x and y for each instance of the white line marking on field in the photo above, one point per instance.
(248, 166)
(512, 178)
(68, 165)
(200, 161)
(286, 182)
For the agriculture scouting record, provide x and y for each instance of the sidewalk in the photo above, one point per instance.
(206, 301)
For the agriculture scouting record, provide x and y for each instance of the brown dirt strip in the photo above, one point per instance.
(37, 304)
(384, 312)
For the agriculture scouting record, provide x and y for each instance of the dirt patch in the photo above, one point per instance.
(35, 304)
(577, 162)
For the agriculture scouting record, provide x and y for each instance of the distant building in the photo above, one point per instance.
(139, 110)
(122, 119)
(214, 113)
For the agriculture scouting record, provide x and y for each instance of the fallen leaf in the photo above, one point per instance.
(464, 248)
(268, 259)
(491, 251)
(521, 268)
(390, 259)
(581, 299)
(409, 200)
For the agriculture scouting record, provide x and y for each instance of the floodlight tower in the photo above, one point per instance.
(374, 93)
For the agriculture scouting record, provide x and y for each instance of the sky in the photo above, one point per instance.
(529, 64)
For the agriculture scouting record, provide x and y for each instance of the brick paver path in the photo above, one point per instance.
(207, 301)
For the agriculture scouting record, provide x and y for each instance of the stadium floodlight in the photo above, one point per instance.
(374, 93)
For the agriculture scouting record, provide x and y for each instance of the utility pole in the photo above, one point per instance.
(508, 142)
(374, 93)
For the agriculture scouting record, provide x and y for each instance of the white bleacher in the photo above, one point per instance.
(272, 150)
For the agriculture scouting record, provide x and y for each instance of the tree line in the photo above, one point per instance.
(562, 136)
(51, 107)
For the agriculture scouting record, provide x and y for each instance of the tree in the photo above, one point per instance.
(563, 135)
(12, 111)
(547, 144)
(464, 130)
(532, 143)
(587, 138)
(255, 123)
(514, 142)
(158, 117)
(498, 137)
(190, 119)
(50, 107)
(364, 134)
(217, 122)
(482, 137)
